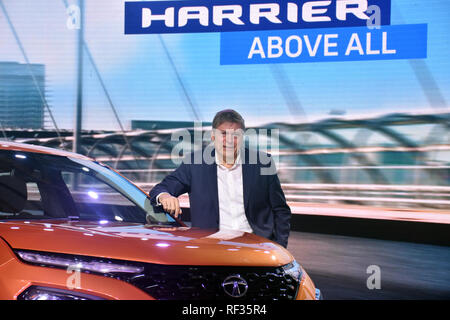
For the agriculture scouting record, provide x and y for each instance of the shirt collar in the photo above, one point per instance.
(237, 162)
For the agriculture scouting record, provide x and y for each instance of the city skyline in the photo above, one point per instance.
(22, 91)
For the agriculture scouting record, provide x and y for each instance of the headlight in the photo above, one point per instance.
(294, 270)
(44, 293)
(88, 264)
(319, 295)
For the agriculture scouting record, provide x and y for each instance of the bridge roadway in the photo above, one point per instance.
(338, 266)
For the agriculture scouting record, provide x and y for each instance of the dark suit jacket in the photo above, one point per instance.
(265, 205)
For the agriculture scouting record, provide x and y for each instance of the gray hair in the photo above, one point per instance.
(228, 115)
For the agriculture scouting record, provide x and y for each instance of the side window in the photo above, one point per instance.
(33, 205)
(96, 200)
(19, 198)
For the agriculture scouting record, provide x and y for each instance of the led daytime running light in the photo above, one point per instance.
(93, 266)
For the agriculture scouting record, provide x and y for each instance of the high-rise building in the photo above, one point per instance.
(22, 94)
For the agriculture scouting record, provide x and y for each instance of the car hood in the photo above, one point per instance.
(135, 242)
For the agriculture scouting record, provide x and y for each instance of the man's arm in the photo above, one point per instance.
(172, 186)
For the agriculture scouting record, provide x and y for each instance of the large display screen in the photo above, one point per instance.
(289, 61)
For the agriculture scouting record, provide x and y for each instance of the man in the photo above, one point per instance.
(234, 191)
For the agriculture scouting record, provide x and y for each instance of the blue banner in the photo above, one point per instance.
(322, 45)
(193, 16)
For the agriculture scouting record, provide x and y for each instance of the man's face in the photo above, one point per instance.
(227, 139)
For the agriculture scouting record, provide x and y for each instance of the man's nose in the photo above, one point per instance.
(229, 139)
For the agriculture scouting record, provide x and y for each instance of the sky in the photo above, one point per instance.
(144, 85)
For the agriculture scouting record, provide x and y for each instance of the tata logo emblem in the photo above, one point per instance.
(235, 286)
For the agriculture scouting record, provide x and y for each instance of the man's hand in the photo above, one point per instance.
(170, 204)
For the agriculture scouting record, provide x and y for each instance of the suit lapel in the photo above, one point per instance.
(247, 178)
(212, 183)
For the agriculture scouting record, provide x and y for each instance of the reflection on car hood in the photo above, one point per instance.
(135, 242)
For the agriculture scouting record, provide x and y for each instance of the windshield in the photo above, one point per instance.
(41, 186)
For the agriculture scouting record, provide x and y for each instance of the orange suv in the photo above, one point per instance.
(74, 229)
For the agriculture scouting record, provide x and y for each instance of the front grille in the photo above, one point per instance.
(205, 282)
(171, 282)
